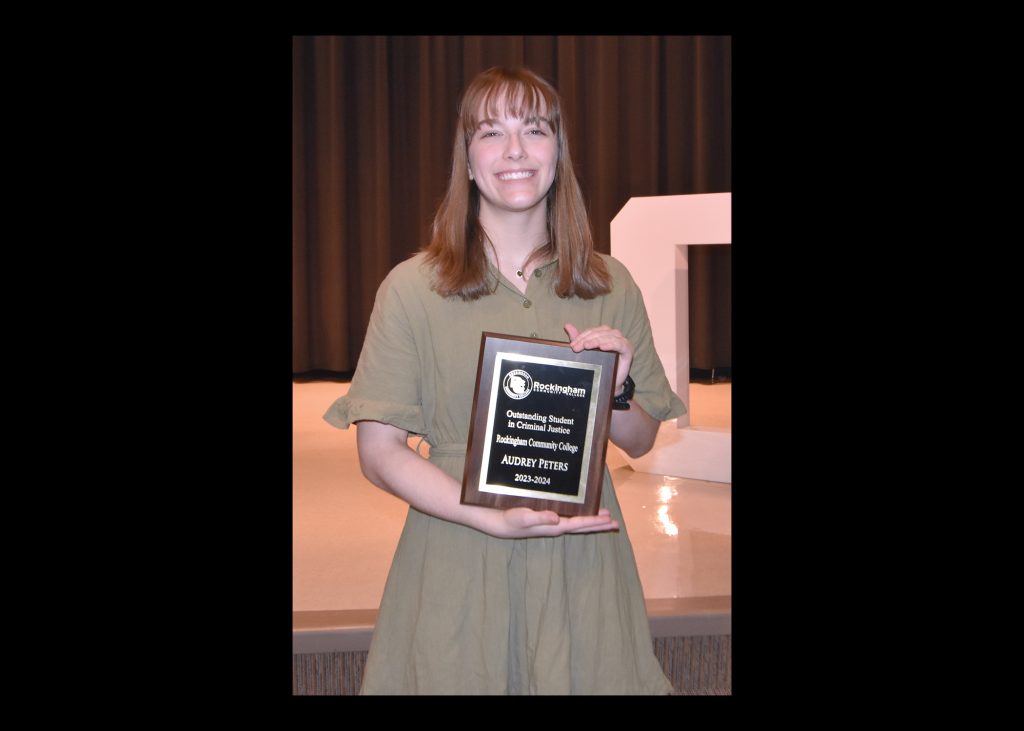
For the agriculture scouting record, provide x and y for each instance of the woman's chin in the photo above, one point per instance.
(520, 204)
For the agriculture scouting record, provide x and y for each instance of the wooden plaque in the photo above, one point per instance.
(539, 429)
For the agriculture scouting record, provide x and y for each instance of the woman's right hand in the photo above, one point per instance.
(527, 523)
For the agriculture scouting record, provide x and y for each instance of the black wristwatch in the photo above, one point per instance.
(621, 402)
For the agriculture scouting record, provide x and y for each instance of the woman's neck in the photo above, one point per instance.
(515, 235)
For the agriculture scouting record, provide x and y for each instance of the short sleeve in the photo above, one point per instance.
(653, 393)
(386, 383)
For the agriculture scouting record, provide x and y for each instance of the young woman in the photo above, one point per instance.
(469, 607)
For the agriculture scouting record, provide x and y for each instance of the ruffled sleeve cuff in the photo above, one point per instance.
(661, 405)
(346, 411)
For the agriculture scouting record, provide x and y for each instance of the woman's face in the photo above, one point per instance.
(512, 161)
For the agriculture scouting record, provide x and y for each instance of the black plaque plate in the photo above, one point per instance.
(539, 430)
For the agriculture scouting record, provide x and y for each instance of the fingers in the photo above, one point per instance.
(526, 523)
(601, 337)
(603, 521)
(590, 524)
(604, 338)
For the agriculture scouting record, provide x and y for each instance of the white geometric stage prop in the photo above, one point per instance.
(651, 236)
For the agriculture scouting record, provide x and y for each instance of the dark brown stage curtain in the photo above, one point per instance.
(373, 123)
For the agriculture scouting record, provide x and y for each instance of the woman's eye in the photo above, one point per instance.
(537, 131)
(492, 133)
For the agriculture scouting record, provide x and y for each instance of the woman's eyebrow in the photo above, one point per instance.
(534, 119)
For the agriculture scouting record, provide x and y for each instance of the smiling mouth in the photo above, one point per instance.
(516, 175)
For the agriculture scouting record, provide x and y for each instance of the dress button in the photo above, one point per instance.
(527, 303)
(533, 335)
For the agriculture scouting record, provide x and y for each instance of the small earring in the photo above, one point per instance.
(470, 174)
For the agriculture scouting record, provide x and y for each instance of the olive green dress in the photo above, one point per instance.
(464, 612)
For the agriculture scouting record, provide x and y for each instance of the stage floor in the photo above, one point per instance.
(345, 530)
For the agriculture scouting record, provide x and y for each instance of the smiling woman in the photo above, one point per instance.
(479, 599)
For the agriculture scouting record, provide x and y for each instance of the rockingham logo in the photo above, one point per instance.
(517, 384)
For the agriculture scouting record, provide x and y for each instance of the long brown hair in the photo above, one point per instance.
(456, 249)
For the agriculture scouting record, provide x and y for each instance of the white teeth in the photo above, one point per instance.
(515, 176)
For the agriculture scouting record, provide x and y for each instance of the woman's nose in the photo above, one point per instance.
(514, 150)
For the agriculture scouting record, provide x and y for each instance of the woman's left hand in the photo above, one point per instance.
(603, 337)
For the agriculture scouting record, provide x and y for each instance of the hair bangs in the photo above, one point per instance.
(501, 92)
